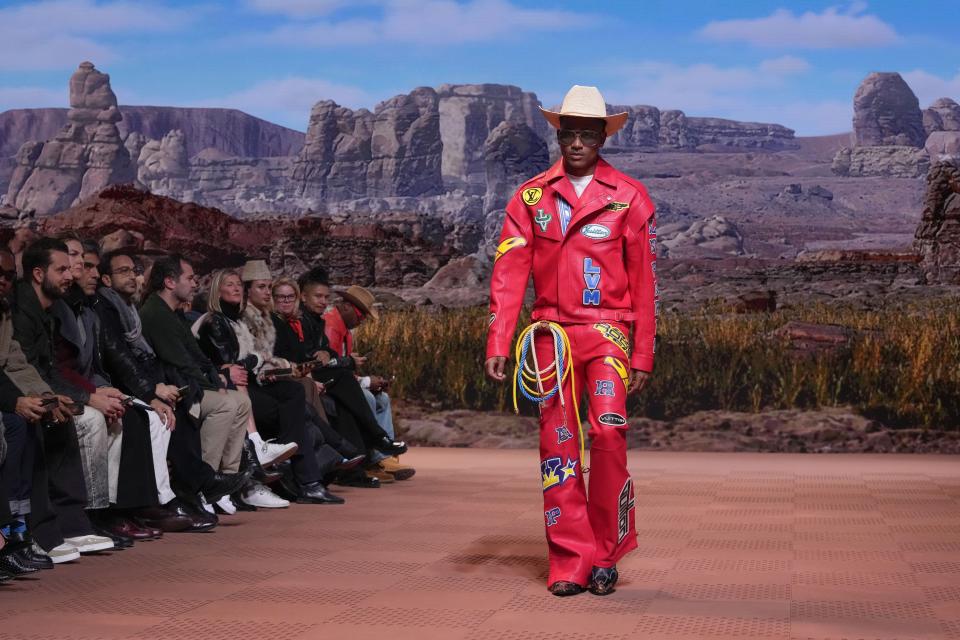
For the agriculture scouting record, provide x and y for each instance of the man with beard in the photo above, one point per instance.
(63, 530)
(222, 412)
(354, 418)
(138, 374)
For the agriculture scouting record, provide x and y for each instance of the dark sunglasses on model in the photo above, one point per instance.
(588, 137)
(10, 276)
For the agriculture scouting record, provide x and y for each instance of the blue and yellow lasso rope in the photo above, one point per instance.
(555, 374)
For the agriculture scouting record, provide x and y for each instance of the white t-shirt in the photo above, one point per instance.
(580, 183)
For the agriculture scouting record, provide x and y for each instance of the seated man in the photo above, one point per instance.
(126, 480)
(129, 360)
(222, 412)
(355, 305)
(354, 417)
(64, 529)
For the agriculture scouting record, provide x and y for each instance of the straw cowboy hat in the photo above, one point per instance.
(586, 102)
(255, 270)
(362, 299)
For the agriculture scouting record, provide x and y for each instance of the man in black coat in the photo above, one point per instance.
(131, 362)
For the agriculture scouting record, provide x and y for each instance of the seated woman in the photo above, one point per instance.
(278, 405)
(353, 420)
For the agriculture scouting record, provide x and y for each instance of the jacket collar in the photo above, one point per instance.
(603, 173)
(26, 300)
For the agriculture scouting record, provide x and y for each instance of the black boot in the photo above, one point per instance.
(603, 580)
(249, 460)
(563, 588)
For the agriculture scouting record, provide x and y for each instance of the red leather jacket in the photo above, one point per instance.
(602, 269)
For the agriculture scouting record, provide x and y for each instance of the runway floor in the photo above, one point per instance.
(736, 546)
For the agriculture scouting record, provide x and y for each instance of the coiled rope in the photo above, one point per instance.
(554, 374)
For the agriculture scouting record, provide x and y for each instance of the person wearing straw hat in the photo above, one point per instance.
(587, 232)
(355, 305)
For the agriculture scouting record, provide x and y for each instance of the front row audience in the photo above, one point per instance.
(123, 418)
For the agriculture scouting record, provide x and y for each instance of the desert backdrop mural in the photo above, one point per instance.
(808, 281)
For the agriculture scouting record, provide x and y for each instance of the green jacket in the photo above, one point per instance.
(175, 346)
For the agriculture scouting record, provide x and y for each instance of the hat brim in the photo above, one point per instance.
(370, 311)
(614, 122)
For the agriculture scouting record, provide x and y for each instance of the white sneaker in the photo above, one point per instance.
(269, 453)
(65, 552)
(90, 544)
(261, 496)
(226, 504)
(206, 505)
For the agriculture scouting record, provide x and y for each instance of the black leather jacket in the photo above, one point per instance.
(219, 342)
(133, 375)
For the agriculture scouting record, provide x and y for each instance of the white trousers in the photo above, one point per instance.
(159, 441)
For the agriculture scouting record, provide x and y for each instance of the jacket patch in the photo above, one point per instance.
(591, 278)
(617, 206)
(507, 245)
(614, 335)
(532, 195)
(595, 231)
(620, 368)
(543, 219)
(612, 419)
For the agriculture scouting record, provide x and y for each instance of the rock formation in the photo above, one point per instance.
(943, 145)
(377, 251)
(394, 151)
(942, 115)
(714, 235)
(650, 129)
(889, 130)
(887, 161)
(468, 113)
(886, 112)
(87, 155)
(938, 235)
(235, 133)
(163, 166)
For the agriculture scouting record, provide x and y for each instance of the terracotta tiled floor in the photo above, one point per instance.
(731, 546)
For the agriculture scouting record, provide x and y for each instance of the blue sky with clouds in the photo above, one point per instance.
(795, 63)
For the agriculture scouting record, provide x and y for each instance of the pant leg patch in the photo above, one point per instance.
(552, 515)
(625, 503)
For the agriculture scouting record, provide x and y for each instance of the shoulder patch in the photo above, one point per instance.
(508, 245)
(531, 195)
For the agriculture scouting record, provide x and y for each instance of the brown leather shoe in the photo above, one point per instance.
(127, 529)
(163, 519)
(380, 474)
(398, 471)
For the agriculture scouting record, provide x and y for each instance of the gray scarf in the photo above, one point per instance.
(130, 319)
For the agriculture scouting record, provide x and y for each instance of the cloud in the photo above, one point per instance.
(785, 65)
(703, 87)
(61, 33)
(832, 29)
(31, 97)
(288, 101)
(302, 8)
(427, 23)
(737, 92)
(928, 87)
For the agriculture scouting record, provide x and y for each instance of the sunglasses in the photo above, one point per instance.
(588, 137)
(285, 298)
(8, 275)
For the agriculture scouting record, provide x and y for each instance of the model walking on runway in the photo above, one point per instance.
(588, 234)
